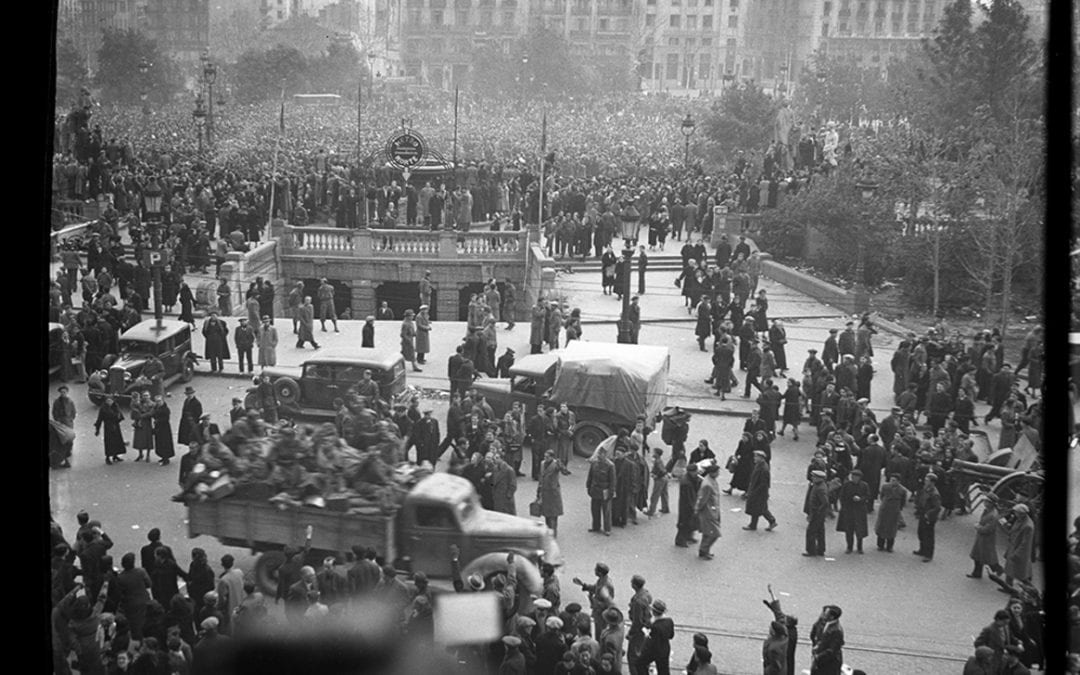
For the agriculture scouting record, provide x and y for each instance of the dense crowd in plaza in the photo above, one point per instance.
(614, 158)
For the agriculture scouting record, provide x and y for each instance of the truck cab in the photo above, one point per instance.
(444, 509)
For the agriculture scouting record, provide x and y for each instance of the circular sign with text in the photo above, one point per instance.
(405, 149)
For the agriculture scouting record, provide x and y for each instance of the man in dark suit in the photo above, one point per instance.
(453, 364)
(426, 437)
(365, 573)
(189, 418)
(301, 595)
(146, 553)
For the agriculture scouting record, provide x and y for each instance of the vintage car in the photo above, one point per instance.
(317, 388)
(170, 342)
(56, 348)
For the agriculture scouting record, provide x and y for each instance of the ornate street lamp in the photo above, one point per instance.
(687, 129)
(152, 196)
(866, 188)
(209, 76)
(144, 68)
(199, 117)
(629, 224)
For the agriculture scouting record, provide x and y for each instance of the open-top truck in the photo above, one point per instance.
(440, 510)
(606, 385)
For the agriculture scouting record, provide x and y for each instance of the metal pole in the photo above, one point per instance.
(210, 116)
(686, 154)
(624, 318)
(359, 96)
(455, 124)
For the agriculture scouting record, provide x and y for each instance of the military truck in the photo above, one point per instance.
(440, 510)
(606, 385)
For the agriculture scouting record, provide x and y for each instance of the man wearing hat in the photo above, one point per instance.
(189, 417)
(367, 333)
(687, 520)
(658, 645)
(640, 618)
(425, 288)
(325, 295)
(1010, 662)
(268, 342)
(893, 497)
(425, 434)
(505, 363)
(549, 645)
(707, 509)
(854, 497)
(513, 662)
(633, 316)
(757, 493)
(927, 510)
(827, 638)
(423, 334)
(830, 352)
(1018, 550)
(610, 633)
(817, 509)
(812, 363)
(244, 339)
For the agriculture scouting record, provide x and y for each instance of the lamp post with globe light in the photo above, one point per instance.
(629, 225)
(144, 68)
(199, 117)
(866, 189)
(209, 77)
(687, 128)
(152, 196)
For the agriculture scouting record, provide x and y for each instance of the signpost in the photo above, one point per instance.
(405, 149)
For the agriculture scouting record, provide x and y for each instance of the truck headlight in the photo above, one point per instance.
(127, 377)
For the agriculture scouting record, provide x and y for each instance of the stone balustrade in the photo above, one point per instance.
(403, 243)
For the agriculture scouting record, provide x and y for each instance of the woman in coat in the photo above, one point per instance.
(893, 497)
(142, 410)
(744, 458)
(1018, 551)
(423, 334)
(703, 328)
(774, 653)
(777, 340)
(267, 342)
(109, 416)
(170, 288)
(792, 408)
(408, 339)
(536, 326)
(761, 312)
(984, 550)
(216, 333)
(549, 491)
(163, 437)
(489, 342)
(163, 575)
(187, 304)
(854, 497)
(607, 270)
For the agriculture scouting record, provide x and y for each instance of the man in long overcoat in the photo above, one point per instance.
(536, 328)
(600, 485)
(854, 497)
(893, 498)
(426, 436)
(189, 417)
(504, 485)
(817, 507)
(268, 341)
(984, 551)
(707, 509)
(757, 494)
(927, 510)
(871, 462)
(216, 333)
(549, 491)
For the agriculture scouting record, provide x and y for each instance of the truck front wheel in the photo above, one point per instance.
(588, 435)
(266, 567)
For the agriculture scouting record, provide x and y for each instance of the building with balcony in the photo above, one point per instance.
(82, 21)
(180, 27)
(874, 32)
(777, 42)
(689, 46)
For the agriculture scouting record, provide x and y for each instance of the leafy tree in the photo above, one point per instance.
(260, 75)
(71, 72)
(837, 88)
(118, 73)
(1007, 63)
(742, 120)
(541, 67)
(337, 71)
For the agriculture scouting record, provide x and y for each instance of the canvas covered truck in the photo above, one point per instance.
(438, 511)
(607, 386)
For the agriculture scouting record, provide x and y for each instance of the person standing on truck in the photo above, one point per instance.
(565, 420)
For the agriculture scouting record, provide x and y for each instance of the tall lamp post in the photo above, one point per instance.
(199, 117)
(144, 68)
(629, 225)
(209, 76)
(687, 129)
(152, 195)
(866, 189)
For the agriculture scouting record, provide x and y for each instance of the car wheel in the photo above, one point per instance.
(266, 571)
(287, 391)
(188, 371)
(588, 435)
(251, 402)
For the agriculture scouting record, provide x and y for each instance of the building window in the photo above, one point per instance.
(508, 18)
(705, 69)
(691, 23)
(824, 30)
(733, 4)
(603, 25)
(650, 20)
(708, 3)
(827, 7)
(674, 20)
(672, 71)
(733, 21)
(691, 3)
(879, 26)
(414, 17)
(436, 17)
(581, 24)
(650, 3)
(673, 42)
(689, 43)
(280, 14)
(461, 17)
(706, 42)
(706, 22)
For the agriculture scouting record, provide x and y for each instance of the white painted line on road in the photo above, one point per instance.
(830, 559)
(786, 595)
(134, 527)
(734, 510)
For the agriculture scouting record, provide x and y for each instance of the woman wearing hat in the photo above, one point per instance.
(163, 442)
(1018, 550)
(142, 412)
(408, 339)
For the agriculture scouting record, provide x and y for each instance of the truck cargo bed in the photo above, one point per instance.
(260, 525)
